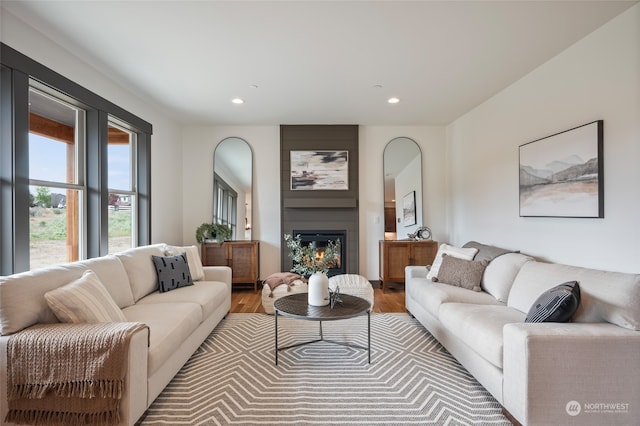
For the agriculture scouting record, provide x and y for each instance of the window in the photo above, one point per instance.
(66, 156)
(225, 204)
(122, 188)
(56, 179)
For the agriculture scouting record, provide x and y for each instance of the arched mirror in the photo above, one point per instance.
(402, 165)
(232, 186)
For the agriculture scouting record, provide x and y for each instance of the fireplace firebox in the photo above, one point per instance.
(320, 239)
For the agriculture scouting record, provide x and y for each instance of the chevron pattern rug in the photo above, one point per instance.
(412, 379)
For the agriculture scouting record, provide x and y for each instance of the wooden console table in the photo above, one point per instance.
(243, 257)
(396, 255)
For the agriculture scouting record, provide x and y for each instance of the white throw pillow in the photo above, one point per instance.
(84, 300)
(193, 259)
(500, 274)
(459, 252)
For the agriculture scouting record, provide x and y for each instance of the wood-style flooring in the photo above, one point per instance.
(246, 300)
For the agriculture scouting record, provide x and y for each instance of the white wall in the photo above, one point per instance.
(597, 78)
(198, 146)
(166, 153)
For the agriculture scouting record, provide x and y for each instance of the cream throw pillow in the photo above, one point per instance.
(84, 300)
(459, 252)
(193, 259)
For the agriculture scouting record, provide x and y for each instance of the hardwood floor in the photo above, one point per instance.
(246, 300)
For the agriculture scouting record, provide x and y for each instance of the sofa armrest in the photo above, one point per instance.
(568, 373)
(415, 272)
(218, 273)
(134, 398)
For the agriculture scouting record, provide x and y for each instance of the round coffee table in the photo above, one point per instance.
(297, 306)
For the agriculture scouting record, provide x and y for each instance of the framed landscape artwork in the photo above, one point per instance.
(409, 209)
(319, 170)
(562, 175)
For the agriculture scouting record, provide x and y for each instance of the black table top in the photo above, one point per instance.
(297, 306)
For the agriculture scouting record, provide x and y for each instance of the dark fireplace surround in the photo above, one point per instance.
(318, 212)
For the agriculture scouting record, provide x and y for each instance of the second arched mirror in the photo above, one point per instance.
(402, 165)
(232, 186)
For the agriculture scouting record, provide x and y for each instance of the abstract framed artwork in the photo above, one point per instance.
(562, 175)
(319, 170)
(409, 209)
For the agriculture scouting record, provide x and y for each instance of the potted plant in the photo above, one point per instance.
(309, 261)
(216, 231)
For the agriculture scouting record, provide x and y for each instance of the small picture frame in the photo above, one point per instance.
(409, 209)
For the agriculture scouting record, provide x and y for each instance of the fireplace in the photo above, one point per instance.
(332, 213)
(319, 240)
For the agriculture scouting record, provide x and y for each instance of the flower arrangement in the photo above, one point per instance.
(307, 260)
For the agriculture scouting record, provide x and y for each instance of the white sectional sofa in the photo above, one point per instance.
(178, 320)
(584, 372)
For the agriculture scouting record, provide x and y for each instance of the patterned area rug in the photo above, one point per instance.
(412, 379)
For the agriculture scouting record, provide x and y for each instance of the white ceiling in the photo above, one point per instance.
(316, 62)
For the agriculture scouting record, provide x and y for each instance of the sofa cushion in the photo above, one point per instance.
(172, 271)
(501, 272)
(460, 272)
(558, 304)
(84, 300)
(486, 252)
(193, 258)
(209, 295)
(168, 328)
(604, 296)
(22, 302)
(139, 266)
(480, 327)
(432, 295)
(461, 253)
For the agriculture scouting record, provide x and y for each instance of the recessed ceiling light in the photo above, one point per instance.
(393, 100)
(377, 86)
(237, 101)
(253, 86)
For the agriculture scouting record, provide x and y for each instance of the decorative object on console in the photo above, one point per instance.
(460, 272)
(558, 304)
(409, 209)
(562, 175)
(212, 231)
(319, 170)
(422, 233)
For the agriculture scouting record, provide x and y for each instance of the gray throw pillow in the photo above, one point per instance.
(173, 272)
(461, 272)
(486, 252)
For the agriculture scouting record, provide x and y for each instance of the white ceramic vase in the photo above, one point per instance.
(318, 289)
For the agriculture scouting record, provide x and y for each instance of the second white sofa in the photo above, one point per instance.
(585, 372)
